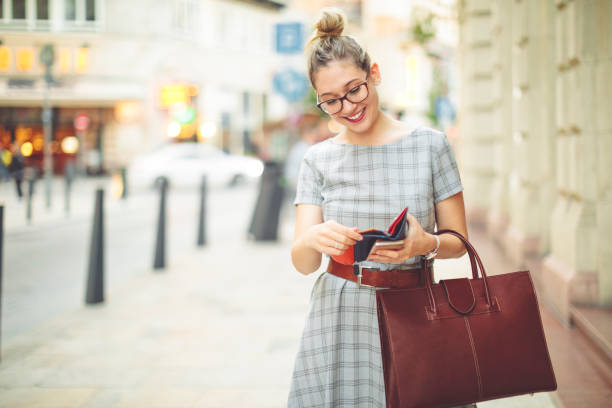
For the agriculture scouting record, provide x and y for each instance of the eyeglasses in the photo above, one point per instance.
(355, 95)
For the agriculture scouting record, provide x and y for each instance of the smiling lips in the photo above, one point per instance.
(357, 117)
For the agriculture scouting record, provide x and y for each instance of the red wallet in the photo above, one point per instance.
(360, 251)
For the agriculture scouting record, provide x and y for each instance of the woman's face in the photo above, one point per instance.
(338, 78)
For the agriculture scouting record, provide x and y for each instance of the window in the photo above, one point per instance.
(19, 9)
(42, 9)
(184, 17)
(90, 10)
(70, 10)
(40, 15)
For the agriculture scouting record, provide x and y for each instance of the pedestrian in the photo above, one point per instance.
(309, 135)
(360, 179)
(5, 161)
(16, 168)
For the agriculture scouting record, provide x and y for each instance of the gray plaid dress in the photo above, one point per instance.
(339, 362)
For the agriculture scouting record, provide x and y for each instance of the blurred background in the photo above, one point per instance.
(140, 99)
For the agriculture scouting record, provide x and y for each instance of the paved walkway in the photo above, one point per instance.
(199, 334)
(81, 202)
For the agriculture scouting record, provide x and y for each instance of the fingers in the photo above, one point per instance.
(331, 251)
(350, 233)
(335, 243)
(333, 238)
(331, 247)
(336, 237)
(386, 256)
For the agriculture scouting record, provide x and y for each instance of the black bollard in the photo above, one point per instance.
(124, 189)
(202, 218)
(95, 275)
(1, 253)
(160, 242)
(30, 194)
(264, 223)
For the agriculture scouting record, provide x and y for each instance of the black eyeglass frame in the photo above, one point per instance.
(341, 99)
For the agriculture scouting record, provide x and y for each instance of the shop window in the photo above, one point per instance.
(65, 60)
(19, 9)
(25, 59)
(5, 58)
(81, 60)
(42, 9)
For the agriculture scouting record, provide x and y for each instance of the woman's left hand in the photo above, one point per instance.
(417, 242)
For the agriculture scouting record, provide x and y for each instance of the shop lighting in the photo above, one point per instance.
(38, 143)
(6, 58)
(255, 169)
(27, 149)
(174, 129)
(25, 59)
(116, 185)
(70, 145)
(185, 116)
(208, 130)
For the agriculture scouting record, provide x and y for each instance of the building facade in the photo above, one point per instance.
(132, 68)
(536, 136)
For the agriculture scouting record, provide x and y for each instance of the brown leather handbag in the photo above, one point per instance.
(463, 340)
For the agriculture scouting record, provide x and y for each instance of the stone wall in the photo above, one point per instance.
(536, 127)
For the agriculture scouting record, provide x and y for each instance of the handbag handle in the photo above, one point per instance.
(473, 256)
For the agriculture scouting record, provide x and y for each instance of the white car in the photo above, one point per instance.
(184, 164)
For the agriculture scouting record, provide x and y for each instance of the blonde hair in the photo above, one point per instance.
(328, 44)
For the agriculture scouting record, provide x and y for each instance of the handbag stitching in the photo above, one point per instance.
(450, 302)
(379, 303)
(467, 326)
(535, 296)
(436, 316)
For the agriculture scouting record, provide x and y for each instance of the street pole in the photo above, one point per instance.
(48, 158)
(202, 218)
(1, 253)
(47, 57)
(80, 159)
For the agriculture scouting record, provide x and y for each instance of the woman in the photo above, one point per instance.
(362, 178)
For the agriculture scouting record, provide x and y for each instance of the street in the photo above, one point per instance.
(218, 328)
(45, 267)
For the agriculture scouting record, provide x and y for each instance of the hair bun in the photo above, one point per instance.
(330, 23)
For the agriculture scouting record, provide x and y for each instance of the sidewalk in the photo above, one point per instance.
(197, 335)
(82, 200)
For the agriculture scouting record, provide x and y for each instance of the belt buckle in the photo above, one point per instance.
(359, 276)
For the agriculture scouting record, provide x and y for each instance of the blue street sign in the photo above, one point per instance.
(443, 108)
(289, 38)
(291, 84)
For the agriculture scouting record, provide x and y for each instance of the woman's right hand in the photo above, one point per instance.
(314, 237)
(330, 237)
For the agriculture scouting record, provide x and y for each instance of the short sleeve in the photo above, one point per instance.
(309, 184)
(445, 174)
